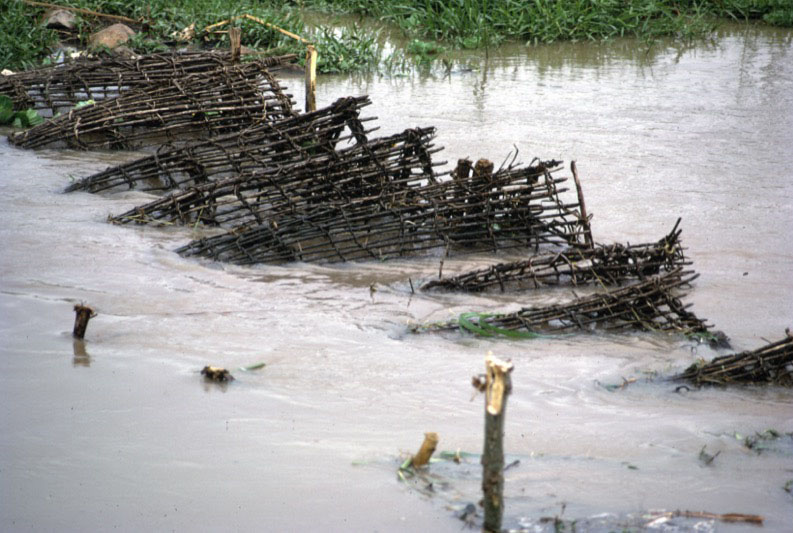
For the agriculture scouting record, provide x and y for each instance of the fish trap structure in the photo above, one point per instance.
(269, 193)
(198, 106)
(612, 264)
(61, 87)
(770, 365)
(381, 200)
(650, 305)
(266, 145)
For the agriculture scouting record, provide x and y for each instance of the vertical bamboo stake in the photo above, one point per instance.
(83, 314)
(497, 388)
(427, 449)
(311, 78)
(584, 217)
(235, 37)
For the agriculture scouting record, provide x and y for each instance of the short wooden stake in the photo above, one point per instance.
(497, 388)
(83, 315)
(311, 78)
(426, 450)
(235, 38)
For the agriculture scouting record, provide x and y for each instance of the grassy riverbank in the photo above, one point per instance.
(455, 23)
(476, 23)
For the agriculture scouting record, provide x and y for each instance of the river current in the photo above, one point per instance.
(122, 433)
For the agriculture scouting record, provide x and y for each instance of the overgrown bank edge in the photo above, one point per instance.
(25, 43)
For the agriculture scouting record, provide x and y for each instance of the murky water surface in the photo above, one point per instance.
(124, 434)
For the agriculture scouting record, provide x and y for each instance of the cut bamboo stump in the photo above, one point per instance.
(235, 38)
(427, 449)
(497, 388)
(83, 314)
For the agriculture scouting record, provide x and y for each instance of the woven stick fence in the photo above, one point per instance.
(390, 203)
(61, 87)
(650, 305)
(771, 364)
(611, 264)
(269, 194)
(262, 146)
(198, 106)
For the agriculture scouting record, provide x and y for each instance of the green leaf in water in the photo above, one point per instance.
(250, 368)
(484, 329)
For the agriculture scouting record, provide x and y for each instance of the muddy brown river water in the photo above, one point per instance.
(125, 435)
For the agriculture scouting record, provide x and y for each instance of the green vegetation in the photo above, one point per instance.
(23, 42)
(17, 119)
(347, 50)
(465, 24)
(478, 23)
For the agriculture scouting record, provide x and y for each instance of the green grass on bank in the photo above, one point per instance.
(476, 23)
(24, 43)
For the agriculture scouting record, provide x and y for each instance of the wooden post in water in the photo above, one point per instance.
(584, 218)
(82, 316)
(311, 78)
(498, 385)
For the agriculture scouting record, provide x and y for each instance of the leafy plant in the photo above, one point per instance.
(18, 119)
(347, 50)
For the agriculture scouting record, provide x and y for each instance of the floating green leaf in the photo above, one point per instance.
(250, 368)
(484, 329)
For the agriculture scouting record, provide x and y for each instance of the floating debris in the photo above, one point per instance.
(382, 199)
(217, 374)
(770, 440)
(772, 364)
(61, 87)
(193, 107)
(726, 517)
(265, 145)
(651, 305)
(611, 264)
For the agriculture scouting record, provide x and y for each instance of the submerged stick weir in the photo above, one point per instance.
(604, 264)
(650, 305)
(770, 364)
(259, 147)
(383, 200)
(198, 106)
(61, 87)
